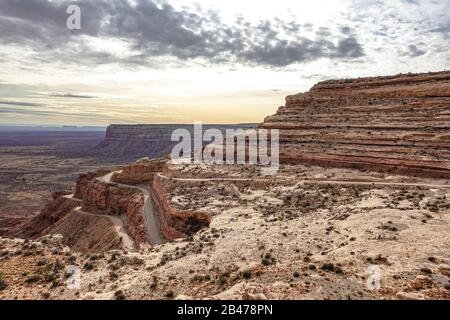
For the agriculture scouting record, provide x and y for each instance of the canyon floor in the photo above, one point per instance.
(307, 233)
(33, 165)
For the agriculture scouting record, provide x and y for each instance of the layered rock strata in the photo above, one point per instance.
(141, 172)
(132, 142)
(84, 218)
(87, 233)
(398, 124)
(175, 223)
(100, 212)
(39, 225)
(109, 199)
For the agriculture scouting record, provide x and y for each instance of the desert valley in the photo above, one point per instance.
(359, 209)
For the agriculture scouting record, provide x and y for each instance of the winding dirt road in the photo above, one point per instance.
(150, 215)
(335, 182)
(127, 242)
(152, 220)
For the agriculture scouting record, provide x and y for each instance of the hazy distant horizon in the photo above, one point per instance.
(6, 127)
(15, 128)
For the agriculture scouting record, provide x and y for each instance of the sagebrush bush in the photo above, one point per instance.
(3, 284)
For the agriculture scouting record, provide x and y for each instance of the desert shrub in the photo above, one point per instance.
(46, 295)
(330, 267)
(88, 266)
(133, 261)
(201, 278)
(3, 284)
(223, 280)
(247, 274)
(33, 278)
(268, 260)
(119, 295)
(113, 275)
(113, 257)
(426, 270)
(42, 262)
(154, 283)
(50, 276)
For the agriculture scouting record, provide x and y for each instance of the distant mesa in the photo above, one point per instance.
(132, 142)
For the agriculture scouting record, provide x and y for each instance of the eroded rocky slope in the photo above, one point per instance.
(307, 233)
(111, 210)
(399, 124)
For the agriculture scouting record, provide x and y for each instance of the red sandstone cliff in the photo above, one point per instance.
(175, 223)
(86, 233)
(140, 172)
(84, 219)
(38, 226)
(89, 232)
(399, 124)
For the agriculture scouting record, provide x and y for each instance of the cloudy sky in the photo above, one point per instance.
(179, 61)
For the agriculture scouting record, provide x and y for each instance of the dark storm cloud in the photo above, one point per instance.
(159, 30)
(349, 48)
(20, 104)
(413, 51)
(45, 21)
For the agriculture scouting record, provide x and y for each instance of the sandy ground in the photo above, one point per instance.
(285, 239)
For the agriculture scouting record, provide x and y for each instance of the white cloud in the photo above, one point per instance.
(209, 61)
